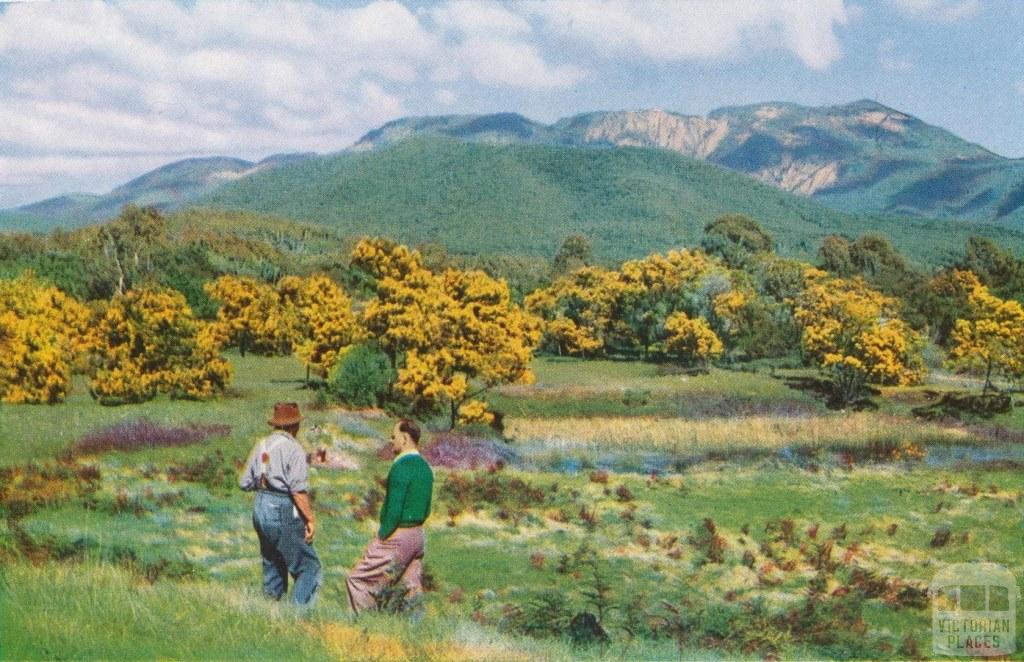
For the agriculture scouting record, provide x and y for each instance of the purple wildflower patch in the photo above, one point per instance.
(456, 451)
(143, 433)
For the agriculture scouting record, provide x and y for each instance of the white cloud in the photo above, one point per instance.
(1020, 86)
(515, 63)
(702, 29)
(491, 44)
(940, 11)
(88, 79)
(445, 97)
(479, 18)
(891, 59)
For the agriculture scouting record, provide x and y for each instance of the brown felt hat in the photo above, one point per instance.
(285, 413)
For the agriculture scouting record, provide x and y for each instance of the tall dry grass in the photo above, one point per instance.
(731, 434)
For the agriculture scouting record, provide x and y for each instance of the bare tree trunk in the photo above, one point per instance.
(120, 273)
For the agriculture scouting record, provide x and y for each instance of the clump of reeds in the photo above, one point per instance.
(866, 430)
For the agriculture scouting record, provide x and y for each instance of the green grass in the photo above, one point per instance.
(39, 432)
(573, 388)
(161, 569)
(99, 611)
(489, 559)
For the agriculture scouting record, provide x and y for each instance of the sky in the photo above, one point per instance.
(93, 93)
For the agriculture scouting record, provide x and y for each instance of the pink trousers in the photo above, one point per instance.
(386, 562)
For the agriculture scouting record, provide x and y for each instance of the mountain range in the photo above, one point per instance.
(861, 157)
(635, 178)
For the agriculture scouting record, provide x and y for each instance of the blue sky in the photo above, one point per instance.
(92, 93)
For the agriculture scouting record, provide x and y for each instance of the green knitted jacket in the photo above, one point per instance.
(407, 502)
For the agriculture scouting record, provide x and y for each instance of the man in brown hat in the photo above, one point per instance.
(282, 515)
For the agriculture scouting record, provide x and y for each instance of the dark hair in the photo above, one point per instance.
(410, 428)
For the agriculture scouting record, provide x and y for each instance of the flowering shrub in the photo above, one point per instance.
(455, 451)
(691, 339)
(475, 411)
(148, 342)
(143, 433)
(42, 332)
(855, 332)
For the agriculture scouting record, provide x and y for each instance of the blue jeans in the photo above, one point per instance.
(284, 549)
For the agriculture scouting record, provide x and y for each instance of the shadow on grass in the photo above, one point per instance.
(961, 405)
(821, 388)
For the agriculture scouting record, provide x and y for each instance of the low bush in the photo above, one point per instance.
(24, 489)
(362, 378)
(708, 542)
(210, 470)
(493, 489)
(544, 614)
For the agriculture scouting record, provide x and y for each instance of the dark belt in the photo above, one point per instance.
(264, 486)
(274, 493)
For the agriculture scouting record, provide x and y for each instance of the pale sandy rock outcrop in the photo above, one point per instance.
(801, 177)
(693, 136)
(765, 114)
(889, 121)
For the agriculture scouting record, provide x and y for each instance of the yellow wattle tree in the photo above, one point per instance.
(730, 308)
(43, 332)
(992, 340)
(385, 258)
(578, 310)
(691, 340)
(326, 325)
(252, 316)
(407, 314)
(450, 336)
(855, 332)
(146, 342)
(491, 339)
(654, 287)
(950, 300)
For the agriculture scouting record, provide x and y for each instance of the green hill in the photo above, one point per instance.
(524, 199)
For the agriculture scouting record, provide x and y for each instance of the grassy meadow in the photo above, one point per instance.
(722, 516)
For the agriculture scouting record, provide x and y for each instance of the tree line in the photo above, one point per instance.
(386, 324)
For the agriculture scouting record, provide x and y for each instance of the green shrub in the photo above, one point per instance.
(362, 378)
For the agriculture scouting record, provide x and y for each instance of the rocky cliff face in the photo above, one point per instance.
(694, 136)
(805, 178)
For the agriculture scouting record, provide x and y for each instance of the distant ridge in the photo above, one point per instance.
(858, 158)
(861, 157)
(168, 187)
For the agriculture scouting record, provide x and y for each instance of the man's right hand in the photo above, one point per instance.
(301, 501)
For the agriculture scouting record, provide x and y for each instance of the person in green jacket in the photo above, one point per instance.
(395, 555)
